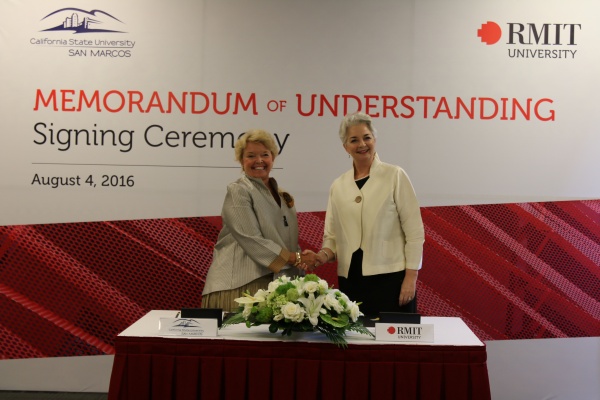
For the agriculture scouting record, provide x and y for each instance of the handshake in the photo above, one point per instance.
(308, 260)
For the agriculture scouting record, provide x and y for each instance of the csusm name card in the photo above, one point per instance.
(404, 332)
(187, 327)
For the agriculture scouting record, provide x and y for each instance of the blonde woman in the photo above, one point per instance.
(259, 238)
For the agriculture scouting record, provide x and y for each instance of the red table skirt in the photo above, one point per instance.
(159, 368)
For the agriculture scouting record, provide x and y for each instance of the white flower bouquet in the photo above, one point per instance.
(302, 304)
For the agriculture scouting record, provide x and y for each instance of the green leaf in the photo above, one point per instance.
(334, 336)
(340, 321)
(237, 318)
(358, 327)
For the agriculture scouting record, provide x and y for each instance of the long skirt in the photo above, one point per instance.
(224, 299)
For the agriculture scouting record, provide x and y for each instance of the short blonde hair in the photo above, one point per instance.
(356, 118)
(255, 136)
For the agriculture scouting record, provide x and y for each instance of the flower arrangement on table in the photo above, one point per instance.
(303, 304)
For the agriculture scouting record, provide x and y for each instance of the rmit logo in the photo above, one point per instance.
(530, 34)
(405, 330)
(489, 33)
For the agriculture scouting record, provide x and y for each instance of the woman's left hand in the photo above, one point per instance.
(409, 287)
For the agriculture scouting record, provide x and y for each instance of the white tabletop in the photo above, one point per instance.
(448, 331)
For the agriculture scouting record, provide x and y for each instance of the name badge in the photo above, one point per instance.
(404, 332)
(202, 327)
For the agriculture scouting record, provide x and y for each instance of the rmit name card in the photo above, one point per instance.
(203, 327)
(404, 332)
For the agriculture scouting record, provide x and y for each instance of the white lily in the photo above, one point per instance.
(248, 299)
(312, 307)
(354, 311)
(331, 302)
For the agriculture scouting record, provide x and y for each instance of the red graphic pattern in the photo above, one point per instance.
(510, 271)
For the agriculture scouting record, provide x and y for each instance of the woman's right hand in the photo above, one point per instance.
(309, 259)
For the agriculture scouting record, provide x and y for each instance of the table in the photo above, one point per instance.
(244, 363)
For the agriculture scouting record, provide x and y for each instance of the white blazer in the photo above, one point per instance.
(383, 218)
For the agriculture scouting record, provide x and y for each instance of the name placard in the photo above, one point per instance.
(188, 327)
(404, 332)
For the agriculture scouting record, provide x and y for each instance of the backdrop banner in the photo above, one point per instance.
(129, 110)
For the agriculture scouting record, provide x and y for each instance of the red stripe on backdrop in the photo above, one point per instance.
(511, 271)
(52, 318)
(513, 294)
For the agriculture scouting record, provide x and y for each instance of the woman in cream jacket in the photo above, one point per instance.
(373, 226)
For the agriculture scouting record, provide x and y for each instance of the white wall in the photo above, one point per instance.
(544, 369)
(58, 374)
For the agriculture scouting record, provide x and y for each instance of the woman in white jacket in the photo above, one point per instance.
(373, 226)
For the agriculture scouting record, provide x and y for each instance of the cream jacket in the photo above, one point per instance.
(383, 218)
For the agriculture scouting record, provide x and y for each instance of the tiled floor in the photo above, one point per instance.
(9, 395)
